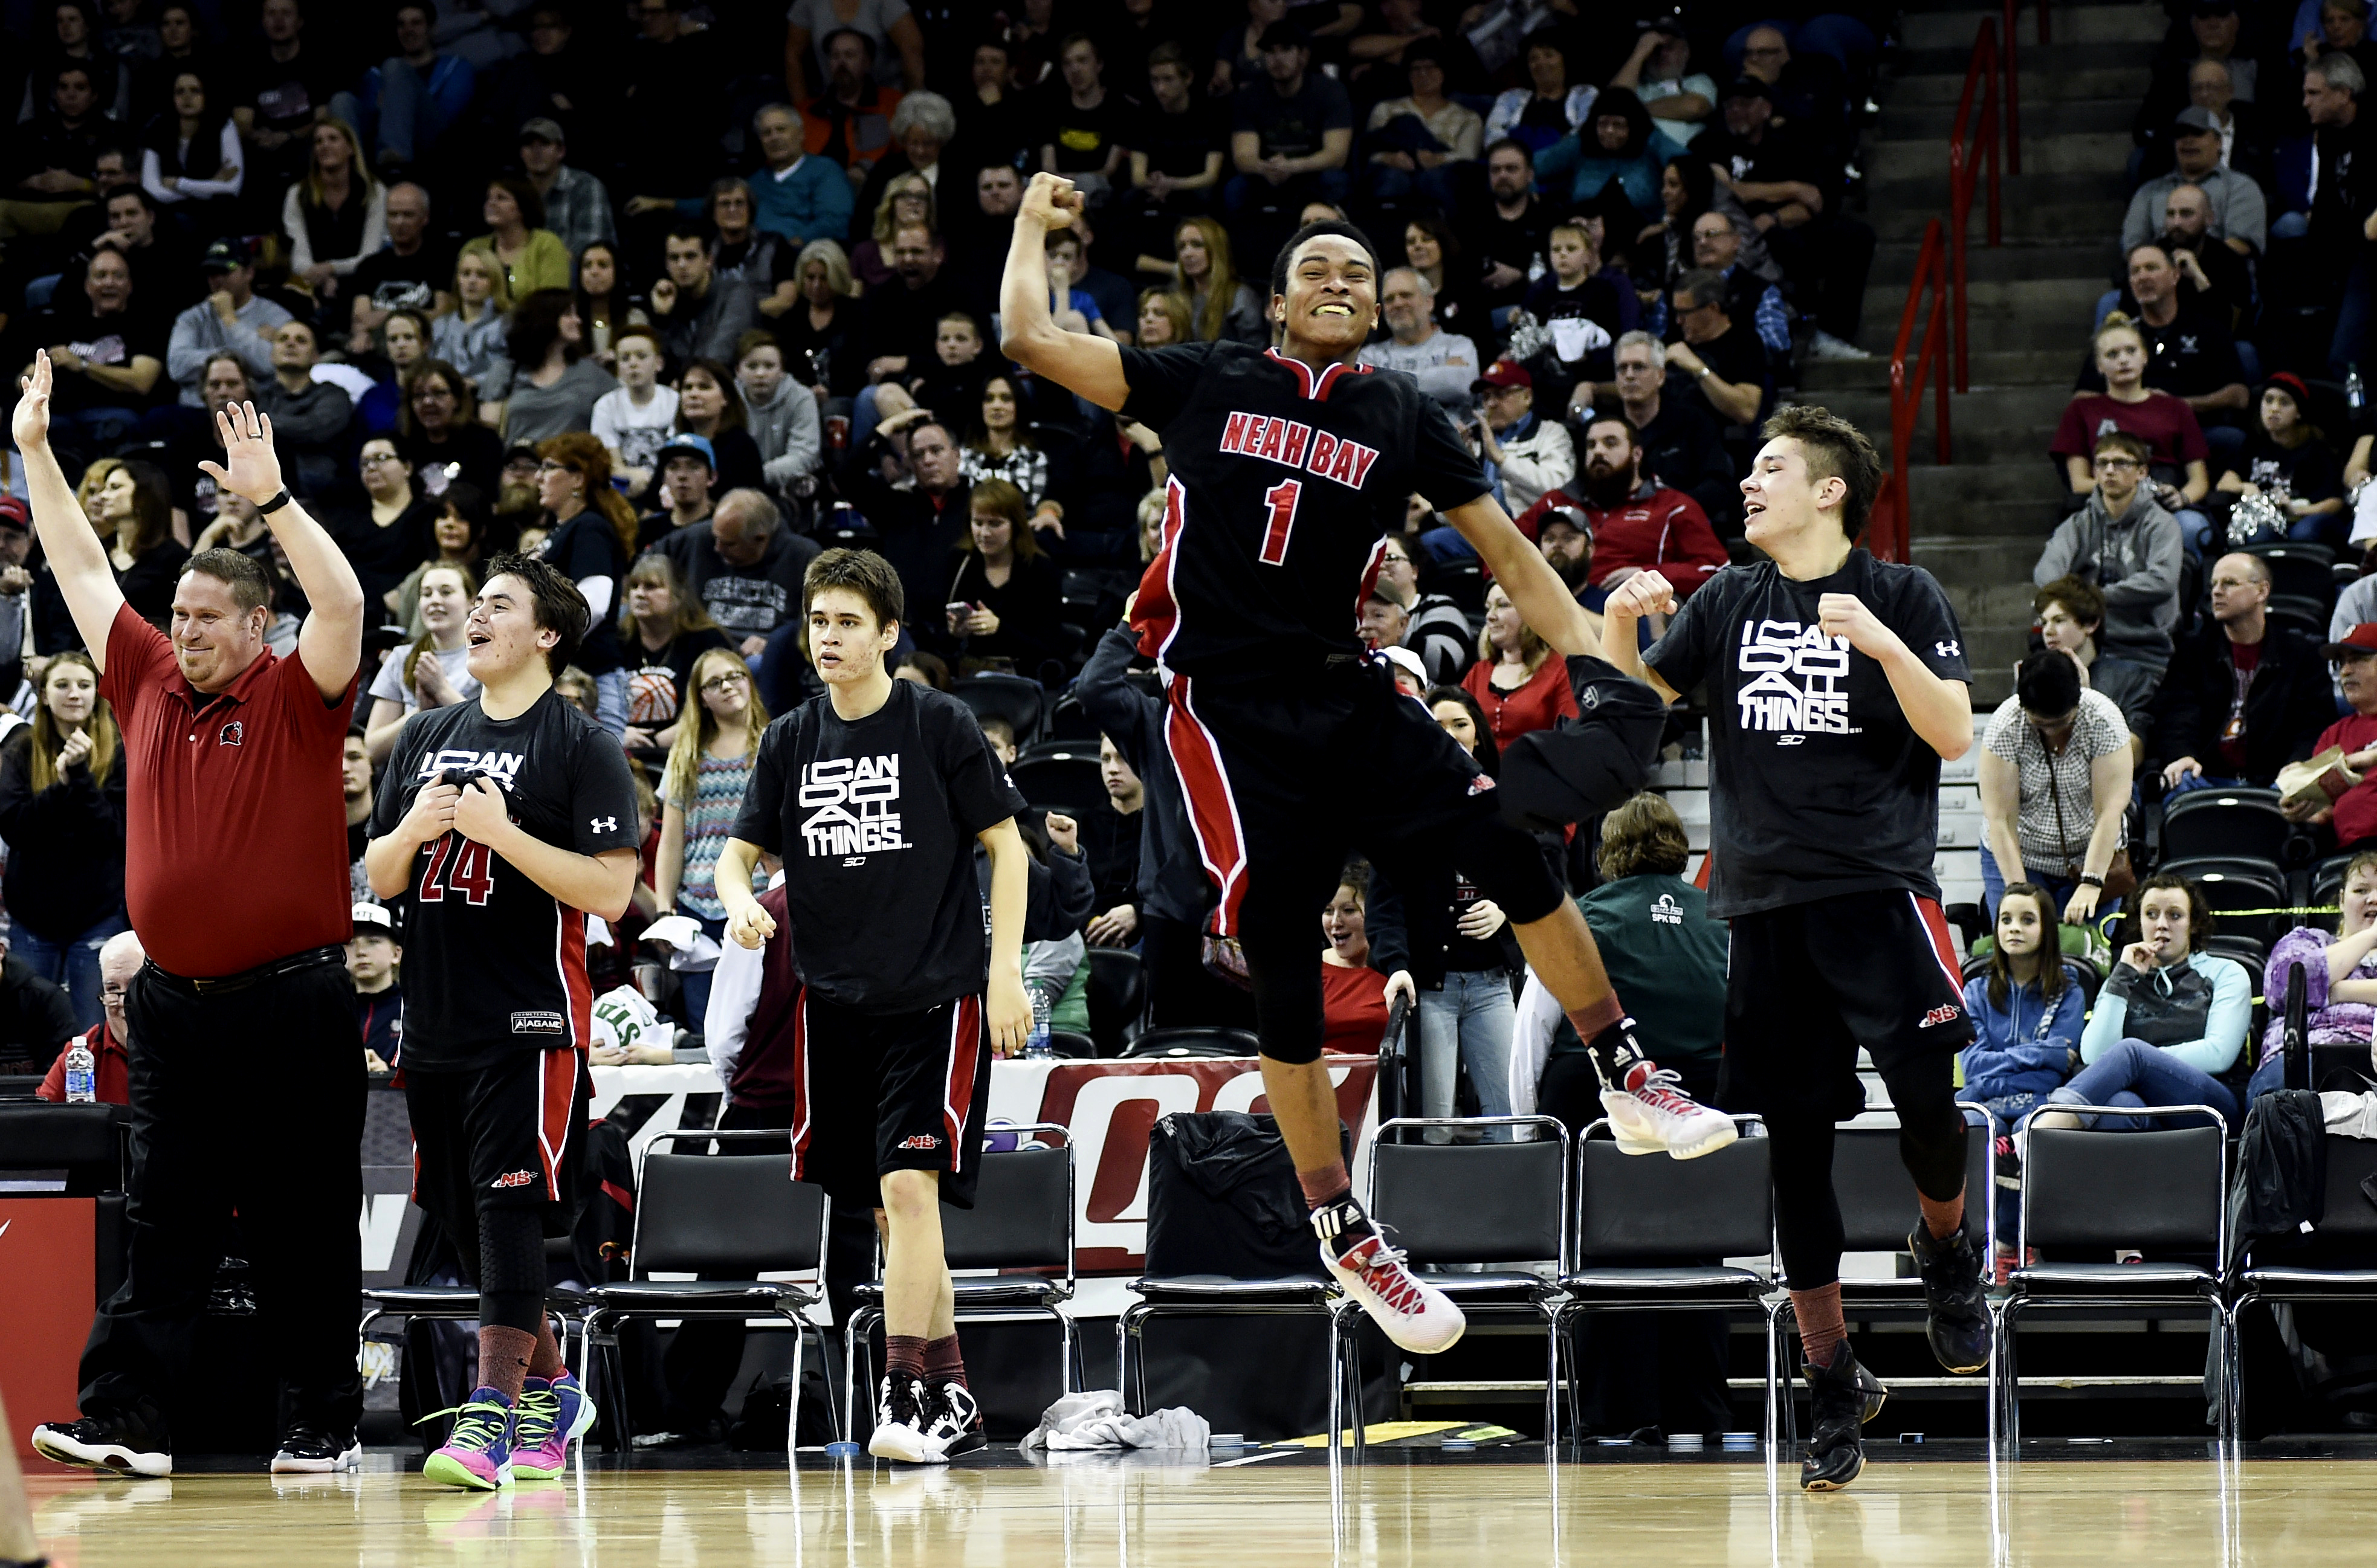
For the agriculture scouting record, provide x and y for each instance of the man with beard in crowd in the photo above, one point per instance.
(1636, 523)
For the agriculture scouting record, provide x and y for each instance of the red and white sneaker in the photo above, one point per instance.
(1416, 1315)
(1650, 1115)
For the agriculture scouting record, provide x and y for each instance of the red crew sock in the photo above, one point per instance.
(1822, 1326)
(903, 1355)
(502, 1358)
(1595, 1017)
(1944, 1219)
(1324, 1183)
(942, 1361)
(545, 1360)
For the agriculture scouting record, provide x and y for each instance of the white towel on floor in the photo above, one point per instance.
(1096, 1420)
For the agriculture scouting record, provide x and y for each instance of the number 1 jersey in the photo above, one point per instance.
(1284, 483)
(493, 963)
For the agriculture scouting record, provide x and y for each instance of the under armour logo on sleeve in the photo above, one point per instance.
(603, 824)
(1949, 649)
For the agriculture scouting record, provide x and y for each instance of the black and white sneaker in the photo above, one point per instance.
(123, 1444)
(952, 1419)
(309, 1451)
(900, 1414)
(1843, 1396)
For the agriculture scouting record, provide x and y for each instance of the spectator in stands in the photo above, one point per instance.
(434, 672)
(232, 319)
(849, 124)
(395, 349)
(416, 95)
(335, 216)
(1548, 108)
(2178, 480)
(708, 406)
(710, 766)
(1578, 316)
(2071, 612)
(743, 568)
(780, 413)
(2027, 1008)
(2123, 543)
(1464, 998)
(459, 535)
(554, 385)
(2214, 279)
(2243, 696)
(2189, 353)
(1176, 154)
(590, 532)
(1723, 356)
(606, 306)
(56, 152)
(190, 156)
(1514, 228)
(2169, 1019)
(1082, 122)
(439, 432)
(2055, 769)
(1002, 602)
(107, 349)
(1444, 363)
(470, 336)
(109, 1039)
(952, 379)
(577, 207)
(1291, 133)
(62, 814)
(2240, 212)
(1384, 619)
(1791, 185)
(2339, 974)
(662, 629)
(1619, 148)
(1420, 141)
(701, 313)
(894, 44)
(36, 1018)
(1219, 305)
(1532, 455)
(2330, 186)
(632, 421)
(310, 418)
(1566, 541)
(1716, 244)
(1436, 630)
(900, 322)
(906, 202)
(2289, 460)
(1681, 446)
(529, 255)
(2342, 29)
(800, 198)
(1163, 319)
(1000, 447)
(1355, 997)
(1517, 682)
(1659, 72)
(389, 535)
(1637, 523)
(2351, 815)
(133, 510)
(373, 955)
(688, 481)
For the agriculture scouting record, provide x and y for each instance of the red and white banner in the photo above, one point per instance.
(1111, 1107)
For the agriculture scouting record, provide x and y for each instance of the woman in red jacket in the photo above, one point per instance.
(1516, 679)
(1354, 996)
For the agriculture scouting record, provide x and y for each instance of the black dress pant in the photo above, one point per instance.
(246, 1103)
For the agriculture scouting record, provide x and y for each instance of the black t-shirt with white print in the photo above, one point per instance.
(1819, 785)
(876, 822)
(493, 963)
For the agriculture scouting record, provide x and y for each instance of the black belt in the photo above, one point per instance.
(219, 985)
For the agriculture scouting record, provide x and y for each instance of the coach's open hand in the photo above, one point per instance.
(752, 925)
(1644, 593)
(1008, 1011)
(31, 425)
(1846, 615)
(1050, 201)
(481, 816)
(249, 467)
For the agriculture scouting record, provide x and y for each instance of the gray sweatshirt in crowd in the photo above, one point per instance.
(199, 335)
(788, 433)
(2134, 561)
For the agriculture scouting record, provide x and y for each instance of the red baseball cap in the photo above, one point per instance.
(14, 513)
(1504, 373)
(2362, 639)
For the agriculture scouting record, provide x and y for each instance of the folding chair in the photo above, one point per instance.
(2094, 1191)
(1019, 699)
(460, 1304)
(2241, 822)
(1636, 1214)
(1022, 1219)
(1485, 1203)
(2340, 1265)
(1193, 1040)
(736, 1215)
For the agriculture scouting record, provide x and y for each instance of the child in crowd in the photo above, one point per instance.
(633, 422)
(2028, 1011)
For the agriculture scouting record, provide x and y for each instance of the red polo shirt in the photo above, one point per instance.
(235, 842)
(111, 1069)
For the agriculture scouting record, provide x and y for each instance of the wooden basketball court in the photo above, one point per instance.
(1501, 1507)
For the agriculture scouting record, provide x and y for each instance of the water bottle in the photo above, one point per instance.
(2355, 397)
(82, 1073)
(1035, 1045)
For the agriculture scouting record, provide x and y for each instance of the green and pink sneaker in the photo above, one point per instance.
(552, 1415)
(478, 1452)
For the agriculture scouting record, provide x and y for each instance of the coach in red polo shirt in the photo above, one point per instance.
(245, 1068)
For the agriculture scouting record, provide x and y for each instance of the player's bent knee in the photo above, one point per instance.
(908, 1195)
(1507, 867)
(1296, 1053)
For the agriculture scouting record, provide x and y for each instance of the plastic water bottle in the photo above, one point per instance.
(81, 1075)
(2355, 396)
(1035, 1045)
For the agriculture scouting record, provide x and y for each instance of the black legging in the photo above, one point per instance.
(511, 1269)
(1808, 1211)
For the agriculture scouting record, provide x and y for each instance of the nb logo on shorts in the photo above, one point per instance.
(1480, 784)
(514, 1178)
(922, 1140)
(1939, 1015)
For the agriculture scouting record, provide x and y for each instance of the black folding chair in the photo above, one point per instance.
(90, 1143)
(2242, 823)
(1019, 699)
(1637, 1214)
(460, 1304)
(1021, 1225)
(734, 1216)
(1481, 1203)
(2092, 1191)
(2339, 1265)
(1193, 1040)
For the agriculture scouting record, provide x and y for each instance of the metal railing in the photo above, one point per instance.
(1978, 146)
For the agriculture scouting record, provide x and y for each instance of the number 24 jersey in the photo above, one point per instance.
(493, 963)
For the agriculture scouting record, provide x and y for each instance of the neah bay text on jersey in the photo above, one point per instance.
(1299, 445)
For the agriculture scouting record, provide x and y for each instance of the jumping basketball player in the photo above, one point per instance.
(1837, 683)
(506, 820)
(875, 795)
(1289, 466)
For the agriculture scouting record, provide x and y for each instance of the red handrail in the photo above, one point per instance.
(1939, 268)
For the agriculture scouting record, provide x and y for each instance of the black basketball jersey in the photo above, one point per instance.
(1283, 484)
(493, 963)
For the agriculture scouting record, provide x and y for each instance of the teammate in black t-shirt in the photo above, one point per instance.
(505, 822)
(1837, 683)
(1289, 467)
(875, 795)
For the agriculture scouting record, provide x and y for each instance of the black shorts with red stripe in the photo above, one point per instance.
(875, 1092)
(1808, 985)
(508, 1134)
